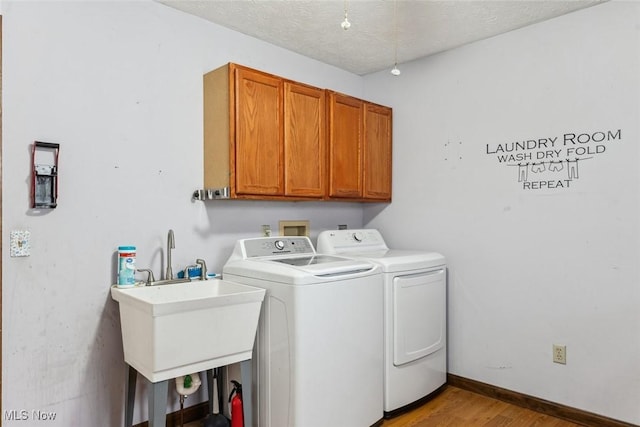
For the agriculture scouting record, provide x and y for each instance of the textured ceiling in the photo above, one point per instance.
(417, 27)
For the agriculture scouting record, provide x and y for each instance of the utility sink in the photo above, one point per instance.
(182, 328)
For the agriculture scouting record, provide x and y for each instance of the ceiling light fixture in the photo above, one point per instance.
(395, 71)
(345, 24)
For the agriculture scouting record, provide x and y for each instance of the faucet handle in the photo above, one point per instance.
(150, 277)
(203, 268)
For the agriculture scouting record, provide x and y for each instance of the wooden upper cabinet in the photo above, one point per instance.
(304, 140)
(264, 136)
(377, 152)
(269, 138)
(359, 149)
(345, 146)
(258, 144)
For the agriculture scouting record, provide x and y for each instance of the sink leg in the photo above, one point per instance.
(130, 394)
(247, 390)
(158, 404)
(210, 389)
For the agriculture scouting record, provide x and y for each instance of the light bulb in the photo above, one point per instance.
(395, 71)
(345, 24)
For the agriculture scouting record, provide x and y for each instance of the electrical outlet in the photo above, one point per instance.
(560, 354)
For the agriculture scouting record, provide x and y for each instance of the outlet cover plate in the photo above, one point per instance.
(20, 243)
(560, 354)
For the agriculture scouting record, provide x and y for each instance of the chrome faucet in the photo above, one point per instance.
(171, 244)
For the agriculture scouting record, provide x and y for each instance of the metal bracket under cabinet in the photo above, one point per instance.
(211, 194)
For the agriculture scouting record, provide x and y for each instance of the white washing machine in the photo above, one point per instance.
(319, 348)
(415, 358)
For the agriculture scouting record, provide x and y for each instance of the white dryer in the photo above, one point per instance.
(319, 348)
(415, 358)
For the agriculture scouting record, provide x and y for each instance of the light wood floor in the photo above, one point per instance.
(455, 407)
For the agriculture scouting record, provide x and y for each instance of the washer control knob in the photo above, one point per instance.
(279, 244)
(358, 237)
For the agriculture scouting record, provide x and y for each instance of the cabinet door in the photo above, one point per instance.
(377, 152)
(258, 139)
(304, 140)
(345, 146)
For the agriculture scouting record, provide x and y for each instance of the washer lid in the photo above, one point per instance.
(300, 270)
(324, 265)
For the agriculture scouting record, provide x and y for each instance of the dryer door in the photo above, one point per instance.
(419, 315)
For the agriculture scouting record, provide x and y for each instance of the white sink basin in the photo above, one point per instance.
(178, 329)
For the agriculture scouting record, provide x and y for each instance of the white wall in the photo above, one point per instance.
(119, 86)
(529, 268)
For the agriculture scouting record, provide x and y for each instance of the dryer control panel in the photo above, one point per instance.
(341, 241)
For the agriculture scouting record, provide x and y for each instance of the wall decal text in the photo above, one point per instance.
(552, 162)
